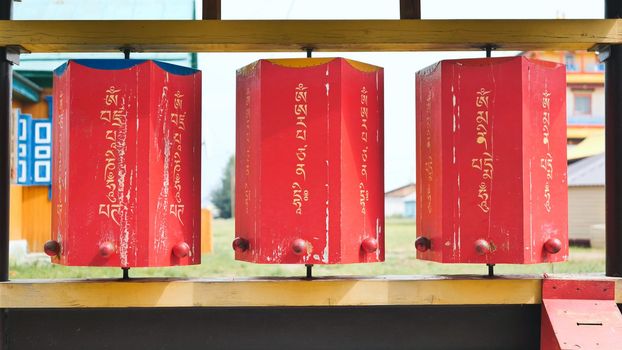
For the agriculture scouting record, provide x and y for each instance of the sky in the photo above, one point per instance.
(400, 68)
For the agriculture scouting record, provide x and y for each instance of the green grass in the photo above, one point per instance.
(400, 260)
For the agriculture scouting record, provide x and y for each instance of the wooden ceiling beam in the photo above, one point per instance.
(321, 35)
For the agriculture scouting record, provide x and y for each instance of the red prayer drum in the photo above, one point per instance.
(127, 155)
(491, 161)
(309, 165)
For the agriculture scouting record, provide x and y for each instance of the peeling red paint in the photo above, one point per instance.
(491, 161)
(309, 164)
(126, 152)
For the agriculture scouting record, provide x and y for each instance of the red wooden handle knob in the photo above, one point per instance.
(240, 244)
(422, 244)
(482, 247)
(181, 250)
(51, 248)
(553, 245)
(299, 246)
(106, 249)
(369, 245)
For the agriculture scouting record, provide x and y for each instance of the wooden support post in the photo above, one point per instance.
(410, 9)
(211, 9)
(6, 7)
(613, 149)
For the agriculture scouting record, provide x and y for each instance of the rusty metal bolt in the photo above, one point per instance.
(553, 245)
(369, 245)
(422, 244)
(51, 248)
(106, 249)
(181, 250)
(240, 244)
(482, 247)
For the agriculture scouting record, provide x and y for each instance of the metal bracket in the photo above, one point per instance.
(489, 48)
(11, 53)
(308, 50)
(603, 51)
(127, 50)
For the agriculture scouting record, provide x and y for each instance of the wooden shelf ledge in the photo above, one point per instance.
(402, 290)
(322, 35)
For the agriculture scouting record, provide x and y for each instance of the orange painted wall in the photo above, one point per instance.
(15, 216)
(36, 217)
(206, 231)
(31, 211)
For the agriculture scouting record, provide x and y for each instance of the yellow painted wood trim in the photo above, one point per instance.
(270, 292)
(363, 67)
(321, 35)
(317, 61)
(300, 62)
(406, 290)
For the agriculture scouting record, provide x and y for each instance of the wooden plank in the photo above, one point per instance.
(410, 290)
(578, 289)
(211, 9)
(410, 9)
(283, 292)
(324, 35)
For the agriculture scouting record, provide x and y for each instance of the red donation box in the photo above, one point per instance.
(491, 161)
(309, 164)
(126, 173)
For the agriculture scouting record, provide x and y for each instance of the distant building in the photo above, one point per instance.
(400, 202)
(38, 67)
(585, 100)
(585, 97)
(586, 199)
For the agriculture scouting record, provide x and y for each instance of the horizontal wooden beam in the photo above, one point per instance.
(407, 290)
(321, 35)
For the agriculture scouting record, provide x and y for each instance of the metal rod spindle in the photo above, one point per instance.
(126, 273)
(126, 53)
(491, 267)
(309, 271)
(491, 270)
(309, 51)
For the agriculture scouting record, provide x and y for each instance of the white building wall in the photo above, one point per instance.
(598, 102)
(586, 207)
(393, 206)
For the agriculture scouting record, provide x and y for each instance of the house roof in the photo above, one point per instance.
(593, 144)
(24, 89)
(402, 191)
(589, 171)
